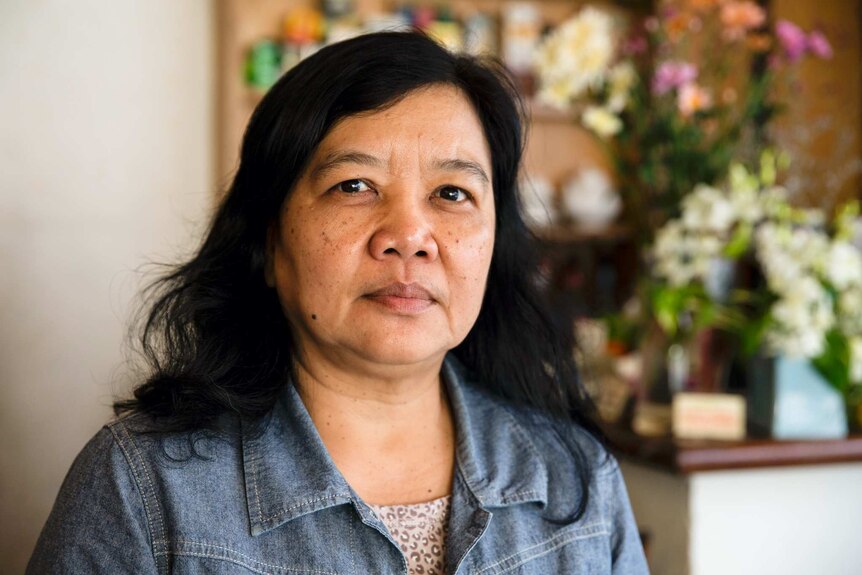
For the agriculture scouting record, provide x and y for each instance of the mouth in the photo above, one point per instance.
(402, 298)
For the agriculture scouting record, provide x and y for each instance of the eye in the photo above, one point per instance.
(352, 187)
(452, 194)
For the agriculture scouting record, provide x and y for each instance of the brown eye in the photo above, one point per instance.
(452, 194)
(352, 187)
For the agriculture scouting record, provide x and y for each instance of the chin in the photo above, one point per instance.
(402, 346)
(395, 354)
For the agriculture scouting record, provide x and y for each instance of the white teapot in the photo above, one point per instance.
(591, 199)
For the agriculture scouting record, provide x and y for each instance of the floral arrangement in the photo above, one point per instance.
(802, 296)
(667, 96)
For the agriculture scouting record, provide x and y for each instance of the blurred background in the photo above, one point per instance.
(689, 163)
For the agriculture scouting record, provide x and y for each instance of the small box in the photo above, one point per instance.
(708, 416)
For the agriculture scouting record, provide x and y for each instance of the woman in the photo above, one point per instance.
(356, 345)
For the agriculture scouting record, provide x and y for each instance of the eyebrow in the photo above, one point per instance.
(336, 159)
(457, 165)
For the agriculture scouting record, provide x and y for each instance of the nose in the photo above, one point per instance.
(404, 231)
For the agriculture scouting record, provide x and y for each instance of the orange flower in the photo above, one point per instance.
(692, 98)
(677, 25)
(740, 17)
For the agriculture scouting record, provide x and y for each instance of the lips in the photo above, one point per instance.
(402, 298)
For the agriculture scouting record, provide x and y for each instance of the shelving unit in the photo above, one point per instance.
(556, 148)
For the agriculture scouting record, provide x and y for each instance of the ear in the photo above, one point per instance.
(268, 264)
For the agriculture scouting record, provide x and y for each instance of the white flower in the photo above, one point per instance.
(707, 209)
(810, 247)
(781, 272)
(797, 303)
(805, 344)
(801, 319)
(787, 255)
(773, 201)
(575, 56)
(556, 93)
(681, 257)
(621, 78)
(673, 255)
(602, 121)
(843, 265)
(747, 204)
(850, 310)
(668, 239)
(743, 180)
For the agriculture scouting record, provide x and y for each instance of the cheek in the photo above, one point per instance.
(472, 260)
(318, 258)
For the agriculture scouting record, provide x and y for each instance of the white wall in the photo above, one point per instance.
(106, 162)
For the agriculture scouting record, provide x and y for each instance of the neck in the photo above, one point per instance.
(392, 438)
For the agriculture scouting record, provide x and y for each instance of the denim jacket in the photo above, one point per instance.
(274, 502)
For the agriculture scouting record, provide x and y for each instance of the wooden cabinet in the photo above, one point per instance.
(712, 507)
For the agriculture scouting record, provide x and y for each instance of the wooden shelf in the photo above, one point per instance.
(577, 234)
(557, 146)
(690, 456)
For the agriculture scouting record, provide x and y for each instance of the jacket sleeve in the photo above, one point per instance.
(99, 521)
(626, 547)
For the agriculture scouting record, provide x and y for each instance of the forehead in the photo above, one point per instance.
(436, 122)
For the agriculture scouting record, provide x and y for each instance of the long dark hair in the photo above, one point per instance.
(215, 336)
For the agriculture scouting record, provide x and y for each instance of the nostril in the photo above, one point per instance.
(390, 251)
(421, 253)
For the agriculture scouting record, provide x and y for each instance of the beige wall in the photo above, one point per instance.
(822, 126)
(106, 161)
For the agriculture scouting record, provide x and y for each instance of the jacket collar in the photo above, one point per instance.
(289, 473)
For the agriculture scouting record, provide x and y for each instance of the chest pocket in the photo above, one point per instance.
(570, 550)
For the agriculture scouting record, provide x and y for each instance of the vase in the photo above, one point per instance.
(789, 399)
(665, 365)
(698, 361)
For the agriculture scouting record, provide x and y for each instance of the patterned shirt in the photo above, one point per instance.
(420, 530)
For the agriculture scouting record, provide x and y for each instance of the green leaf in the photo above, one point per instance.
(834, 362)
(739, 242)
(768, 168)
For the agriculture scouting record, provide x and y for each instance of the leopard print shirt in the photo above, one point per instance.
(420, 531)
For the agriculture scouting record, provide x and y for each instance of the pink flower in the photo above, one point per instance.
(819, 45)
(670, 75)
(692, 98)
(792, 39)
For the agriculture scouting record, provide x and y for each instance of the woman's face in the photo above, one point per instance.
(383, 247)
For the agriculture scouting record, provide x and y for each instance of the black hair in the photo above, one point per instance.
(215, 336)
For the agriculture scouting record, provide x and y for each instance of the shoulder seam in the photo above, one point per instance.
(146, 489)
(608, 467)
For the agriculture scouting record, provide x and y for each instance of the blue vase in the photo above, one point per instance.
(789, 399)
